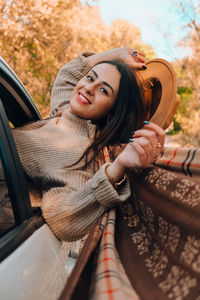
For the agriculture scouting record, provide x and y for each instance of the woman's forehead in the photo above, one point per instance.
(101, 67)
(107, 72)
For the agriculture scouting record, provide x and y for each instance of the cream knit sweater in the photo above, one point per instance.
(72, 200)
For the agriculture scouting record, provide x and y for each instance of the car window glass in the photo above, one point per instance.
(6, 213)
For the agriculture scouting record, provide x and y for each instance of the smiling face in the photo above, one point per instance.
(95, 94)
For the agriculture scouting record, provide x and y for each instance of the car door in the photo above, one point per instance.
(32, 260)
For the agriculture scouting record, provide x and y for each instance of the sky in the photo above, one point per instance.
(158, 21)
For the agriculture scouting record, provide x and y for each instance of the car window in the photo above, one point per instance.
(18, 104)
(18, 220)
(7, 220)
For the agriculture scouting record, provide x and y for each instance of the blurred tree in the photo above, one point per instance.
(189, 67)
(123, 33)
(188, 71)
(38, 36)
(33, 36)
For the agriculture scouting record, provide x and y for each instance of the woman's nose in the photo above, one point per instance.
(90, 88)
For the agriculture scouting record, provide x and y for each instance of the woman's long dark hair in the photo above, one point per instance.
(126, 116)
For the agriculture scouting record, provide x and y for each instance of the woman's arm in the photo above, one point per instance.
(66, 80)
(70, 213)
(124, 54)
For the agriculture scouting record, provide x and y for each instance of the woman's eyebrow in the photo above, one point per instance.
(96, 75)
(108, 85)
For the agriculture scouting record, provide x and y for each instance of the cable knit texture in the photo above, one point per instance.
(72, 198)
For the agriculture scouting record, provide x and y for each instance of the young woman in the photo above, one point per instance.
(96, 102)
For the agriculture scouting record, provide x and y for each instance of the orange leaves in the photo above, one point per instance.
(38, 36)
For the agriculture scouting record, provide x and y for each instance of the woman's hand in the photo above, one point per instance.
(144, 147)
(135, 59)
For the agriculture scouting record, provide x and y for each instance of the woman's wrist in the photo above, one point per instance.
(106, 55)
(115, 172)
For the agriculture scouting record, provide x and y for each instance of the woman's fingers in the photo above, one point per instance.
(137, 65)
(137, 53)
(159, 132)
(139, 152)
(156, 131)
(137, 156)
(150, 134)
(144, 150)
(139, 56)
(135, 59)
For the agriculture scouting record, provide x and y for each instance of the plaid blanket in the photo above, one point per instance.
(149, 247)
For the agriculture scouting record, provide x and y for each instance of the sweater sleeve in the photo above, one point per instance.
(70, 215)
(66, 80)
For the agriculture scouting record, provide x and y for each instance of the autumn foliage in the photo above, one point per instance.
(188, 71)
(38, 36)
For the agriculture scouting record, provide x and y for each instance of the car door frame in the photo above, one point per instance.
(16, 100)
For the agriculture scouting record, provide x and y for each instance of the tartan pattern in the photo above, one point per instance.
(90, 244)
(184, 160)
(111, 281)
(152, 249)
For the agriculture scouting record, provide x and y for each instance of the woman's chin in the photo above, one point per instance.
(74, 109)
(77, 111)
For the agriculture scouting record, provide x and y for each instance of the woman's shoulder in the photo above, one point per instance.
(31, 125)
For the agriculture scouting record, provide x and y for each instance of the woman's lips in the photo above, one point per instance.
(83, 99)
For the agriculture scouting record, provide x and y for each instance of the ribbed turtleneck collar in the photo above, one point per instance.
(78, 124)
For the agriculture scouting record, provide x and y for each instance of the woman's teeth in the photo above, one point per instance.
(83, 99)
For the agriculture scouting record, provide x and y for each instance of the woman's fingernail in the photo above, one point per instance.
(131, 140)
(146, 122)
(144, 67)
(132, 133)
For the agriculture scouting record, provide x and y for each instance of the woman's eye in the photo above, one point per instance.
(90, 78)
(104, 91)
